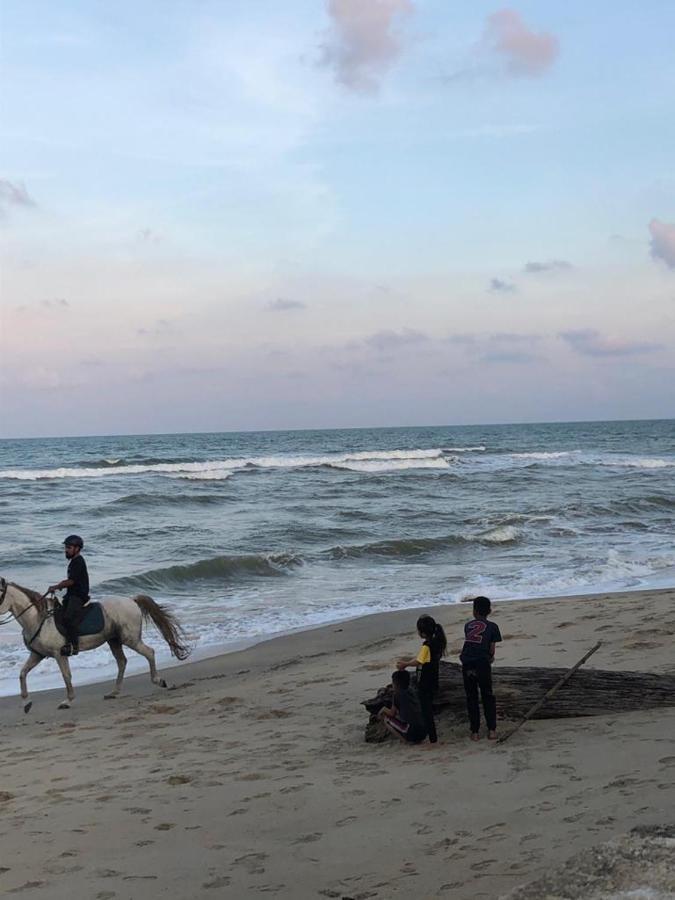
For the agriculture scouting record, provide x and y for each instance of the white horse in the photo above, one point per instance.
(122, 627)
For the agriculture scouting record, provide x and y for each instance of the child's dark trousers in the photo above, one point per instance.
(478, 675)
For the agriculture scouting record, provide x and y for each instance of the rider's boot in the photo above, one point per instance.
(67, 650)
(76, 648)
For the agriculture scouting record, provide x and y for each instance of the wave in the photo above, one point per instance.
(217, 568)
(396, 547)
(156, 500)
(637, 462)
(502, 534)
(218, 470)
(540, 454)
(479, 449)
(406, 547)
(392, 465)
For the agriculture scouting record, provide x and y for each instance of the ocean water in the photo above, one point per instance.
(249, 535)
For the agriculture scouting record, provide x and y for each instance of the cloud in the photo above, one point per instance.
(663, 241)
(526, 52)
(552, 265)
(58, 303)
(510, 356)
(589, 342)
(14, 194)
(497, 286)
(392, 340)
(161, 328)
(362, 44)
(281, 305)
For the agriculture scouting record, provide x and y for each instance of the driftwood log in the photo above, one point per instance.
(592, 692)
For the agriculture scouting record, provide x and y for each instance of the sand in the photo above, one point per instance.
(252, 778)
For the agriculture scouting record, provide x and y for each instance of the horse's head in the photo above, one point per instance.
(13, 598)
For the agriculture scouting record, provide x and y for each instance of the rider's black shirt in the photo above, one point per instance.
(77, 572)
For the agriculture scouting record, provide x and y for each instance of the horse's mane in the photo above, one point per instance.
(39, 602)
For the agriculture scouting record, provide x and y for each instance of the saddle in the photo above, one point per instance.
(91, 622)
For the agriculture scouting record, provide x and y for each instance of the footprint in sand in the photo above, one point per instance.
(252, 862)
(308, 838)
(165, 826)
(219, 882)
(665, 761)
(179, 779)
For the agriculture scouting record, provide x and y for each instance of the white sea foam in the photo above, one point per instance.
(502, 534)
(391, 465)
(553, 454)
(480, 449)
(214, 470)
(636, 462)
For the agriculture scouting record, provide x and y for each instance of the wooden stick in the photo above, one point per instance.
(547, 696)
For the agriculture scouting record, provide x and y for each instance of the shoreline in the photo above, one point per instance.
(285, 643)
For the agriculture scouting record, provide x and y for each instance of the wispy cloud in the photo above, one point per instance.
(362, 42)
(524, 51)
(282, 305)
(589, 342)
(497, 286)
(161, 328)
(392, 340)
(14, 193)
(551, 265)
(58, 303)
(663, 241)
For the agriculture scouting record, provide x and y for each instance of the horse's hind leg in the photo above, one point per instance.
(149, 654)
(30, 663)
(118, 652)
(64, 666)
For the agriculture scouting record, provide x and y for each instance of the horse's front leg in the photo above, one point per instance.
(64, 666)
(30, 663)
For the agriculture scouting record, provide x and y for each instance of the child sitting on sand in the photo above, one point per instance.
(404, 717)
(477, 656)
(426, 663)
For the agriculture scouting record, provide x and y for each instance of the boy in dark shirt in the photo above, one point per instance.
(76, 583)
(404, 717)
(477, 656)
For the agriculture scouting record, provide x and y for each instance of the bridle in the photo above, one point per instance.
(17, 616)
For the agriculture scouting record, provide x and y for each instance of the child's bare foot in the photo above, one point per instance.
(475, 736)
(492, 735)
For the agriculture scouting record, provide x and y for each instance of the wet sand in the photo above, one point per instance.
(252, 778)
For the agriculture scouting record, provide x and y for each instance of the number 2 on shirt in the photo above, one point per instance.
(474, 632)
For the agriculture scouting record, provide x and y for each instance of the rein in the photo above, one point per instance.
(17, 616)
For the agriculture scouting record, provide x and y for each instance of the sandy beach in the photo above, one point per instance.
(252, 777)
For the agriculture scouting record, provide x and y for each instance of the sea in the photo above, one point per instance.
(251, 535)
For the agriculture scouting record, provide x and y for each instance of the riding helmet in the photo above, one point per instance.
(74, 540)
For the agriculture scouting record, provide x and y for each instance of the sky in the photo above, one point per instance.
(243, 214)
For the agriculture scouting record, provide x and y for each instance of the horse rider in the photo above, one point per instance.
(76, 583)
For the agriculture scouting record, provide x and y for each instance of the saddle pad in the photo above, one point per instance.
(92, 622)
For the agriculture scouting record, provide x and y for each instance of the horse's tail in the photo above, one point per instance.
(166, 622)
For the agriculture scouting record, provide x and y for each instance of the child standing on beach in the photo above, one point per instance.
(404, 717)
(477, 656)
(426, 663)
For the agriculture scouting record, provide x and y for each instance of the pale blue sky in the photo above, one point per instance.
(227, 215)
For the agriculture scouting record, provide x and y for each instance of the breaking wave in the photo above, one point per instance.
(217, 568)
(218, 470)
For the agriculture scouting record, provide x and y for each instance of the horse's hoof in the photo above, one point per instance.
(27, 706)
(112, 696)
(64, 705)
(163, 683)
